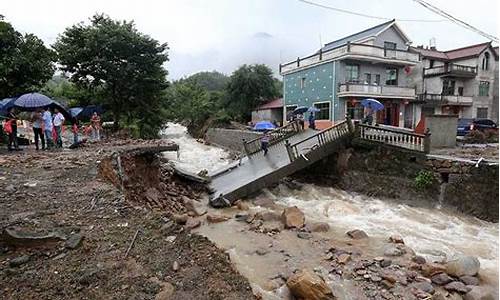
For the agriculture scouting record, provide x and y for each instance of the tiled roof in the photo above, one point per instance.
(466, 51)
(469, 51)
(276, 103)
(496, 50)
(357, 36)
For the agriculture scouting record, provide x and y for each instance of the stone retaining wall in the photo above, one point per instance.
(231, 139)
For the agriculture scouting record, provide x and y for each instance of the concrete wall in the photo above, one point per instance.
(231, 139)
(275, 114)
(390, 35)
(443, 130)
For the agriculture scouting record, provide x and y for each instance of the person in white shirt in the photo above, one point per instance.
(58, 122)
(47, 124)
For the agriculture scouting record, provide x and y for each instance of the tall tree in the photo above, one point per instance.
(25, 63)
(211, 81)
(250, 86)
(122, 65)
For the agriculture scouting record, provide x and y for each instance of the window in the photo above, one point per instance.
(486, 61)
(355, 110)
(324, 111)
(352, 73)
(377, 79)
(448, 87)
(391, 76)
(484, 88)
(431, 63)
(460, 90)
(390, 45)
(368, 78)
(482, 112)
(302, 82)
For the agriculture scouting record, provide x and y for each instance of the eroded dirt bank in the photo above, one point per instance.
(92, 253)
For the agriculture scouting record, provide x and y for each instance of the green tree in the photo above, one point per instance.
(25, 63)
(250, 86)
(121, 66)
(210, 81)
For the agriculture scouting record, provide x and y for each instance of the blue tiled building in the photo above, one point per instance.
(373, 63)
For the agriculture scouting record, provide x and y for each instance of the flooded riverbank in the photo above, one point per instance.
(437, 234)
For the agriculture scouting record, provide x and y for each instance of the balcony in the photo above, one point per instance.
(453, 70)
(440, 100)
(356, 52)
(376, 91)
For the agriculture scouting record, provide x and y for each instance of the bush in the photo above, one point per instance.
(481, 137)
(424, 179)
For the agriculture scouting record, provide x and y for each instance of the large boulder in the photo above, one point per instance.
(318, 227)
(464, 265)
(307, 285)
(357, 234)
(293, 217)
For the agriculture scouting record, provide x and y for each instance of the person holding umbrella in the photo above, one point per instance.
(264, 142)
(371, 106)
(37, 120)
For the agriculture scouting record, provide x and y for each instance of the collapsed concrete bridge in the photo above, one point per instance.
(293, 148)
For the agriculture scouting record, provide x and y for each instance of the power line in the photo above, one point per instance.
(363, 15)
(455, 20)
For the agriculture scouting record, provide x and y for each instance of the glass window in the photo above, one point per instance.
(368, 78)
(352, 73)
(302, 82)
(390, 45)
(391, 76)
(482, 112)
(431, 63)
(484, 88)
(377, 79)
(460, 90)
(448, 87)
(486, 61)
(324, 111)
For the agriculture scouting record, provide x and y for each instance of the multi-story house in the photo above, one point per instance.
(374, 63)
(461, 81)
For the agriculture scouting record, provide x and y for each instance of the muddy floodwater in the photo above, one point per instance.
(437, 234)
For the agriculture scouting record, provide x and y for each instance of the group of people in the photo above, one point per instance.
(48, 128)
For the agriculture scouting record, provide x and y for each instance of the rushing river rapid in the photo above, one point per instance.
(437, 234)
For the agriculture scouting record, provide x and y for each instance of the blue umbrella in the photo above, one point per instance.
(32, 101)
(300, 110)
(263, 125)
(89, 110)
(313, 109)
(6, 104)
(75, 111)
(374, 104)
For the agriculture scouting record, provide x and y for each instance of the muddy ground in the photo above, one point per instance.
(93, 224)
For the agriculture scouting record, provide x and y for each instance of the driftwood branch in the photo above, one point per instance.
(132, 243)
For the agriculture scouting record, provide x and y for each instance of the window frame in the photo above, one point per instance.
(484, 88)
(377, 79)
(329, 110)
(448, 88)
(484, 110)
(393, 45)
(486, 61)
(349, 73)
(368, 78)
(303, 81)
(387, 81)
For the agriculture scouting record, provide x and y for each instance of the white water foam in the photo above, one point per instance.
(433, 233)
(193, 155)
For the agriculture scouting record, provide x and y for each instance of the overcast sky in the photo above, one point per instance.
(206, 35)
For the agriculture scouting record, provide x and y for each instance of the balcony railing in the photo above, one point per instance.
(445, 99)
(355, 51)
(359, 89)
(451, 69)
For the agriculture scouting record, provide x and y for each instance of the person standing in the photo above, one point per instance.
(300, 117)
(312, 121)
(47, 123)
(12, 119)
(369, 115)
(264, 142)
(36, 120)
(58, 122)
(95, 122)
(74, 129)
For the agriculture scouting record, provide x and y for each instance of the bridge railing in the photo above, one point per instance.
(318, 140)
(277, 135)
(398, 138)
